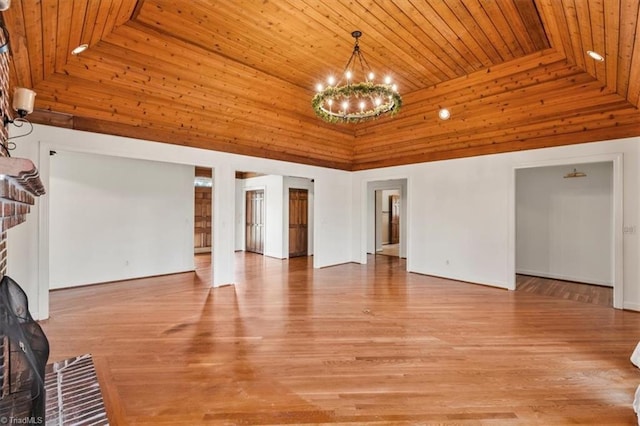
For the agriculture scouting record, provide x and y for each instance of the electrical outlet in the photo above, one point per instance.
(629, 229)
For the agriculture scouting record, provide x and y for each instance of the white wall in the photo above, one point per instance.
(116, 218)
(458, 210)
(29, 257)
(459, 216)
(564, 226)
(333, 201)
(378, 220)
(239, 221)
(461, 213)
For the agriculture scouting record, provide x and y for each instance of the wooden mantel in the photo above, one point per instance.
(19, 184)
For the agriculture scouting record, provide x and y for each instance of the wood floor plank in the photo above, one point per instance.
(350, 344)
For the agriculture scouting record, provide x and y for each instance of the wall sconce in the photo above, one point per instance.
(23, 101)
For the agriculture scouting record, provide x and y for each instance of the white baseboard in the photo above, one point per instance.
(631, 306)
(468, 280)
(563, 277)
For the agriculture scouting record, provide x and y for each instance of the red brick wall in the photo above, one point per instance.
(4, 86)
(4, 109)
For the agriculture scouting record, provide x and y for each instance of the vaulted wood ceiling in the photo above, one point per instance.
(238, 75)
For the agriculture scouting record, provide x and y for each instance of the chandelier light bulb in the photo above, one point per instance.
(330, 102)
(387, 80)
(361, 105)
(378, 101)
(371, 76)
(345, 105)
(349, 75)
(331, 80)
(319, 87)
(394, 87)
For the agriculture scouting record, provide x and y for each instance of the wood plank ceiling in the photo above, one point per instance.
(238, 75)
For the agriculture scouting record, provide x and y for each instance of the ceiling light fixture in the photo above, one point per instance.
(595, 55)
(349, 102)
(444, 114)
(78, 50)
(575, 174)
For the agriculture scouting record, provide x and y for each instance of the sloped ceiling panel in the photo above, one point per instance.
(238, 76)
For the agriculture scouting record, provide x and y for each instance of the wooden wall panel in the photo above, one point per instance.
(612, 28)
(32, 15)
(76, 35)
(545, 101)
(555, 27)
(238, 76)
(61, 49)
(20, 65)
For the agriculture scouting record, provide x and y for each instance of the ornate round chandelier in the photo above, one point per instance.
(347, 101)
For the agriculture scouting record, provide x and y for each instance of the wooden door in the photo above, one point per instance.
(298, 220)
(202, 219)
(394, 229)
(255, 221)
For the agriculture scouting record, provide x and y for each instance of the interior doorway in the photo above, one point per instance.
(565, 231)
(298, 222)
(254, 223)
(385, 219)
(203, 196)
(282, 233)
(387, 227)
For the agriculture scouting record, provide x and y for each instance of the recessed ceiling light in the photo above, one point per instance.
(595, 55)
(78, 50)
(444, 114)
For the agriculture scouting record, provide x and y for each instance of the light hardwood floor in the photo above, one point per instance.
(349, 344)
(569, 290)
